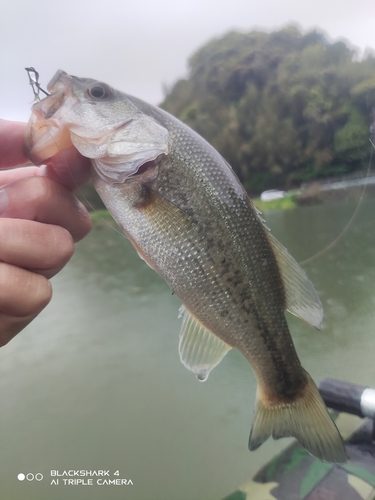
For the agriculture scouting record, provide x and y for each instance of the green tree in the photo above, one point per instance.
(352, 140)
(281, 107)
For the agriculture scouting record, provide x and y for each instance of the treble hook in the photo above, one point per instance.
(34, 82)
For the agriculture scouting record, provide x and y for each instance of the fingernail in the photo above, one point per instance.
(4, 201)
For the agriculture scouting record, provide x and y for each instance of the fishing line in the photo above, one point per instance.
(349, 223)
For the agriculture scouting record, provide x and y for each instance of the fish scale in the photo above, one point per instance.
(260, 333)
(190, 219)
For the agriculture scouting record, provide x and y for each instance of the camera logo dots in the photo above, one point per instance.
(30, 477)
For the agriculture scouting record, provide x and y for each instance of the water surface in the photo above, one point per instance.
(96, 382)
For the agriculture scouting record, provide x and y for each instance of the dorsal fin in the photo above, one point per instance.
(302, 299)
(200, 350)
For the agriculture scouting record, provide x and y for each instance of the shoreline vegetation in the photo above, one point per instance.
(288, 110)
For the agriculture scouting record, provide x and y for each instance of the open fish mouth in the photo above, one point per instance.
(95, 119)
(46, 134)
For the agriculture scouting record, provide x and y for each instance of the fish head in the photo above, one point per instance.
(102, 123)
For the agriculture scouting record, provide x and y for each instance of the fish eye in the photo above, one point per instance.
(97, 91)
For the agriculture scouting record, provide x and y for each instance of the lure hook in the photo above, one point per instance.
(34, 82)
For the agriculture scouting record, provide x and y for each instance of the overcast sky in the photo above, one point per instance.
(139, 45)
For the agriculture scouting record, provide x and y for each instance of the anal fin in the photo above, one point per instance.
(200, 350)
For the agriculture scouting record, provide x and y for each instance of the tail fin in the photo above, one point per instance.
(306, 419)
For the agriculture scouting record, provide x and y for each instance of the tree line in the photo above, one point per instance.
(282, 108)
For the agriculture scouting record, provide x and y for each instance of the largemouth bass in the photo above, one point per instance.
(190, 219)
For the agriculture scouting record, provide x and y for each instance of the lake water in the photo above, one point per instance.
(95, 383)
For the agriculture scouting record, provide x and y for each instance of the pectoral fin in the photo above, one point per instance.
(200, 350)
(302, 299)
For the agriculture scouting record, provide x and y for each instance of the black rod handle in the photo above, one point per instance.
(350, 398)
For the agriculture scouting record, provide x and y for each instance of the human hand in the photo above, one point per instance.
(40, 219)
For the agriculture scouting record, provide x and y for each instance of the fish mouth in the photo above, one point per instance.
(46, 133)
(60, 78)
